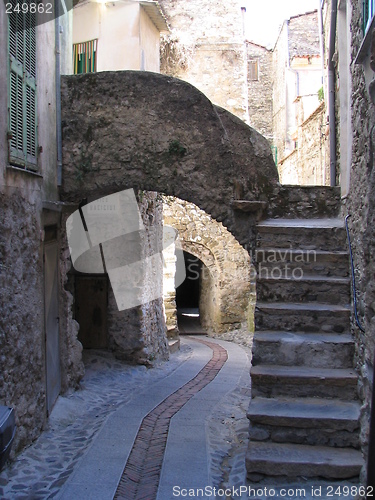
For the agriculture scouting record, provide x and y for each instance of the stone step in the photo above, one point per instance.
(316, 350)
(306, 234)
(313, 421)
(326, 290)
(312, 262)
(273, 262)
(292, 460)
(174, 345)
(307, 317)
(302, 381)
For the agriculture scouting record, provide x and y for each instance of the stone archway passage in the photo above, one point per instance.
(141, 475)
(148, 131)
(226, 289)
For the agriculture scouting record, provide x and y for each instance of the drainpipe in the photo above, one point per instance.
(371, 444)
(331, 94)
(58, 93)
(321, 35)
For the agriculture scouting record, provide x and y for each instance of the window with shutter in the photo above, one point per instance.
(84, 57)
(22, 89)
(253, 70)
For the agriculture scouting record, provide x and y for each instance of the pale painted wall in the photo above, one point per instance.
(149, 44)
(344, 91)
(127, 38)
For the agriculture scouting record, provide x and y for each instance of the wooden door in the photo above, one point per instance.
(91, 311)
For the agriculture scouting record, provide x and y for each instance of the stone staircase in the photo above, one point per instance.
(304, 413)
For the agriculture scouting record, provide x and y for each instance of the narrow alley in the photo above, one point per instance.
(163, 166)
(183, 434)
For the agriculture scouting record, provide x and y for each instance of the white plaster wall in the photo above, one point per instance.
(345, 90)
(149, 44)
(124, 32)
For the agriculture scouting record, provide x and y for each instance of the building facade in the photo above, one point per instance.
(207, 48)
(298, 113)
(116, 36)
(353, 74)
(32, 372)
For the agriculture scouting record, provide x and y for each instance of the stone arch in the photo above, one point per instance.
(142, 130)
(227, 291)
(157, 134)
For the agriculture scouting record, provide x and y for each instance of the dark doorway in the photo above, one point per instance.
(187, 296)
(91, 302)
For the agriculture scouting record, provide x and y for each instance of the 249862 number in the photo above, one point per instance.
(352, 491)
(32, 8)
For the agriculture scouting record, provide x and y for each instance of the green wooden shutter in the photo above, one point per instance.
(22, 90)
(84, 57)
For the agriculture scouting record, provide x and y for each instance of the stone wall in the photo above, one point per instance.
(139, 129)
(260, 85)
(206, 48)
(22, 369)
(360, 205)
(72, 369)
(169, 291)
(153, 328)
(226, 278)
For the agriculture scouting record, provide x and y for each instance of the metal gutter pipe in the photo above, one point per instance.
(58, 93)
(331, 93)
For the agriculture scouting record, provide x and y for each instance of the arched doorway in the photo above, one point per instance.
(188, 296)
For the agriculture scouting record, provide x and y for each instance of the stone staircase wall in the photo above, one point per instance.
(304, 413)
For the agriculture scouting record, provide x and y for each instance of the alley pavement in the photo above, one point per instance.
(175, 431)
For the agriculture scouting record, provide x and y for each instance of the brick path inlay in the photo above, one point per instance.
(141, 475)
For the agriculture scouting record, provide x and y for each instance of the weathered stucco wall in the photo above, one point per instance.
(206, 48)
(226, 288)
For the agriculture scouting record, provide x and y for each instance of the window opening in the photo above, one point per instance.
(85, 57)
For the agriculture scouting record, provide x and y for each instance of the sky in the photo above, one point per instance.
(265, 17)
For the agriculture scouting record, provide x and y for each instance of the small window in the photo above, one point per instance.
(84, 57)
(253, 70)
(368, 13)
(22, 105)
